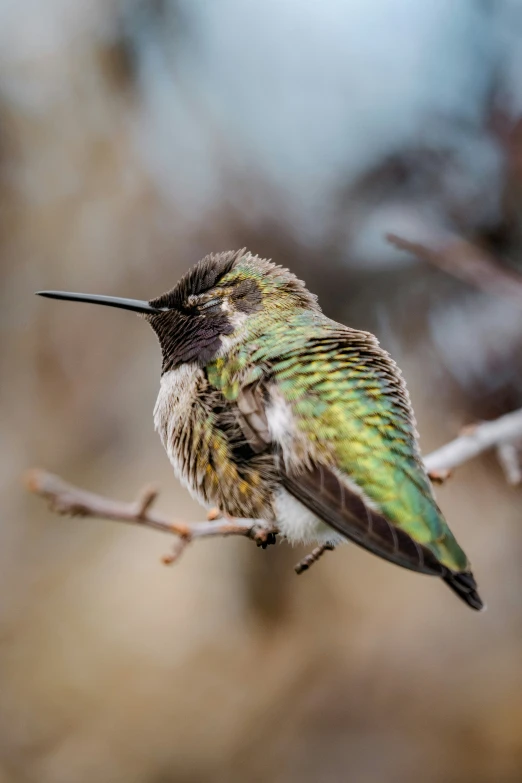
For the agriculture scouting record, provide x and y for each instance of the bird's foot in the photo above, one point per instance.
(261, 535)
(264, 537)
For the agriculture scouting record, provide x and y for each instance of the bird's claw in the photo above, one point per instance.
(264, 538)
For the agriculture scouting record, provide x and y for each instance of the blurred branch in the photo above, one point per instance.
(468, 262)
(475, 440)
(509, 455)
(65, 498)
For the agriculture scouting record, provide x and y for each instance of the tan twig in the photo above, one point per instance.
(177, 550)
(145, 501)
(65, 498)
(315, 555)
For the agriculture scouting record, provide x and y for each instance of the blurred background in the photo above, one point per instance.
(135, 137)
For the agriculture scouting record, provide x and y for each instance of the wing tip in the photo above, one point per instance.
(464, 585)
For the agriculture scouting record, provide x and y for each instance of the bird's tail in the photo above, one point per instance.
(464, 585)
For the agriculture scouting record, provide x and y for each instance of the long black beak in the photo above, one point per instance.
(110, 301)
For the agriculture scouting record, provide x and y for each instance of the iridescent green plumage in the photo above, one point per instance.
(349, 402)
(350, 414)
(348, 399)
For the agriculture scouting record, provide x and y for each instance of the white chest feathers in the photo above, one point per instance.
(178, 390)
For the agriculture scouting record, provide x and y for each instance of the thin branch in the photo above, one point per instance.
(509, 455)
(468, 262)
(315, 555)
(65, 498)
(474, 441)
(177, 550)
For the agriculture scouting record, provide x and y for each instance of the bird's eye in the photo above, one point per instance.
(198, 304)
(211, 304)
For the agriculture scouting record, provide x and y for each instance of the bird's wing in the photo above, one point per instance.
(337, 410)
(344, 509)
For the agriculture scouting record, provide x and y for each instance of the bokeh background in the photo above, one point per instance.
(135, 137)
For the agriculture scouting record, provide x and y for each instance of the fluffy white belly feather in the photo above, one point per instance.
(299, 525)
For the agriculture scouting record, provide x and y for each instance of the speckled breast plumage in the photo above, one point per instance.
(207, 448)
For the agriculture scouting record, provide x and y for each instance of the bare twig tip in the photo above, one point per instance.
(315, 555)
(177, 551)
(145, 500)
(32, 479)
(439, 476)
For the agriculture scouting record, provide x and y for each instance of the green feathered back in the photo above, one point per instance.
(349, 399)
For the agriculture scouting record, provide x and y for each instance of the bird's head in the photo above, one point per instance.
(214, 305)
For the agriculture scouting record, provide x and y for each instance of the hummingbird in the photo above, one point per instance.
(270, 411)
